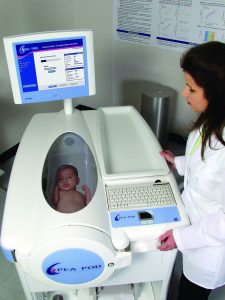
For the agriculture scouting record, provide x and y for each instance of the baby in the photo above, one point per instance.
(66, 198)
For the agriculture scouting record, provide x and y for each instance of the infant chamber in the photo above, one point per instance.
(52, 248)
(69, 149)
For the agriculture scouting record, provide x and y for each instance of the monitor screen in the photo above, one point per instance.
(51, 66)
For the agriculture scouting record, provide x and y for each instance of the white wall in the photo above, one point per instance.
(97, 15)
(123, 69)
(138, 67)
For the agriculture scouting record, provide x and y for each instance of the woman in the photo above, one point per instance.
(203, 242)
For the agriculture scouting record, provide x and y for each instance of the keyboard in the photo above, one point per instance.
(139, 196)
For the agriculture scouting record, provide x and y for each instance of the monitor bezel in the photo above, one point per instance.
(11, 42)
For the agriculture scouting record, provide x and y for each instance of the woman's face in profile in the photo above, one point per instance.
(194, 94)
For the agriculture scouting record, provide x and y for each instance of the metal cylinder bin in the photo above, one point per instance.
(155, 108)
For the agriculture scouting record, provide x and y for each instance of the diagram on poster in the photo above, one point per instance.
(175, 24)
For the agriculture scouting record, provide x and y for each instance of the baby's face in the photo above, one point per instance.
(67, 180)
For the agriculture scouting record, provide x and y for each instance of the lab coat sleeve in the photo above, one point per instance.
(210, 231)
(180, 162)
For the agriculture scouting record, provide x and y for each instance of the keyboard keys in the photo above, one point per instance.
(138, 196)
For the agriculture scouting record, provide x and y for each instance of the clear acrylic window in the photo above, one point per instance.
(69, 178)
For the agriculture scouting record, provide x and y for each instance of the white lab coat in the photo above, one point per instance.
(203, 242)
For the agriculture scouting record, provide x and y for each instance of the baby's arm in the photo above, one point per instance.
(87, 193)
(55, 196)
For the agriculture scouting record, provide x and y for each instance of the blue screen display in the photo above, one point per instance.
(52, 70)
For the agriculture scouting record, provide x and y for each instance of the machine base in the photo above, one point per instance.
(138, 291)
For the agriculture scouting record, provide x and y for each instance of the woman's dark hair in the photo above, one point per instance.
(206, 64)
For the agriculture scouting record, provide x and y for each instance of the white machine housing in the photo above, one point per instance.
(112, 146)
(56, 251)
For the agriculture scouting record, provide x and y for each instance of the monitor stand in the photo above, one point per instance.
(68, 106)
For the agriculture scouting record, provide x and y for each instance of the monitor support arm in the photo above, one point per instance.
(68, 106)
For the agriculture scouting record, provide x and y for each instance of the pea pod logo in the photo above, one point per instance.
(73, 266)
(23, 49)
(52, 270)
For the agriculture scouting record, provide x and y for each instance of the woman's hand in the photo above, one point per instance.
(167, 241)
(169, 157)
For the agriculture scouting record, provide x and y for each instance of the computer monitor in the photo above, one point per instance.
(50, 66)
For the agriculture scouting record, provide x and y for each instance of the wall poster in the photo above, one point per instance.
(171, 24)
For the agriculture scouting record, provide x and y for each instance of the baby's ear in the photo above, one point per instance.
(78, 180)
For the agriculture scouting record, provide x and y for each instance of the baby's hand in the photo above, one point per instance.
(87, 193)
(84, 187)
